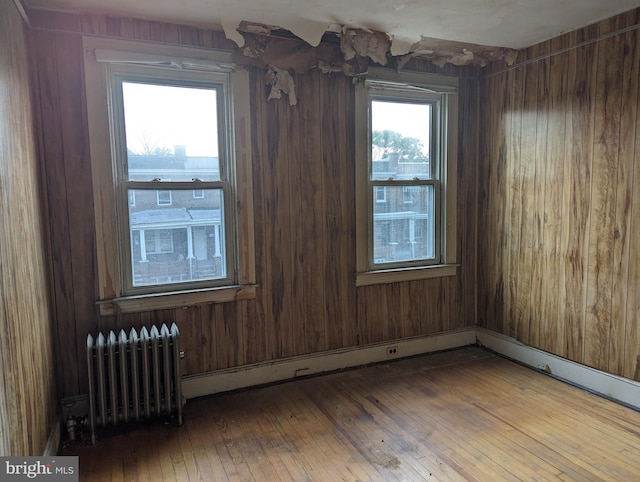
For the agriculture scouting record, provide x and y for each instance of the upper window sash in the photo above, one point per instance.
(376, 93)
(137, 74)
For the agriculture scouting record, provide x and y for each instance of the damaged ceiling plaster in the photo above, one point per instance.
(348, 51)
(274, 46)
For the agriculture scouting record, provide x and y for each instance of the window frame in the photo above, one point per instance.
(200, 193)
(220, 82)
(170, 201)
(384, 84)
(103, 58)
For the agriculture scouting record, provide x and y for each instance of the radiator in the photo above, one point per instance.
(133, 377)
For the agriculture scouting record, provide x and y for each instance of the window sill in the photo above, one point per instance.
(161, 301)
(405, 274)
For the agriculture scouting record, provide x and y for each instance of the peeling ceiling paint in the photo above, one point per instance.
(441, 52)
(351, 50)
(502, 23)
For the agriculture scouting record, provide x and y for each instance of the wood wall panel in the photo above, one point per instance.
(539, 168)
(527, 172)
(468, 192)
(622, 241)
(576, 198)
(603, 194)
(552, 338)
(304, 214)
(514, 197)
(491, 190)
(55, 178)
(571, 132)
(28, 410)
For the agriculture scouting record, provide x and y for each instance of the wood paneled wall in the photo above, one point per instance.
(304, 206)
(559, 259)
(28, 410)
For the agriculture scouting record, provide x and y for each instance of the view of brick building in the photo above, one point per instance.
(403, 216)
(176, 234)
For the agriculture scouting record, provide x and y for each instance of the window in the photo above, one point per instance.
(408, 193)
(158, 241)
(406, 162)
(163, 198)
(170, 124)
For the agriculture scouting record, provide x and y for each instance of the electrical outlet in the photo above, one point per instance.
(392, 351)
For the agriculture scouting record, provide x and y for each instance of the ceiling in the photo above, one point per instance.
(504, 23)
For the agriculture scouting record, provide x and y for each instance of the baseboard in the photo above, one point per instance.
(290, 368)
(53, 442)
(617, 388)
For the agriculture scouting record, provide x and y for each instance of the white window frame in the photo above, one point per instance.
(200, 194)
(103, 57)
(442, 90)
(161, 202)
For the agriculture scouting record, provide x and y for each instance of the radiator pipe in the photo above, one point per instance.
(71, 428)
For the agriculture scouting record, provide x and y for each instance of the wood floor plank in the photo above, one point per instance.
(479, 431)
(305, 443)
(554, 428)
(524, 432)
(599, 419)
(443, 455)
(379, 447)
(461, 415)
(427, 443)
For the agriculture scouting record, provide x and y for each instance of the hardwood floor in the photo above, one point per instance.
(461, 415)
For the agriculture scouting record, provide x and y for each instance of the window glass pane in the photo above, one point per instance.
(159, 241)
(164, 198)
(400, 140)
(171, 132)
(178, 243)
(402, 230)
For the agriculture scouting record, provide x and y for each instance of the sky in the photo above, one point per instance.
(168, 116)
(410, 120)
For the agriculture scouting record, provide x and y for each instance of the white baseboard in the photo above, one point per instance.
(53, 442)
(263, 373)
(617, 388)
